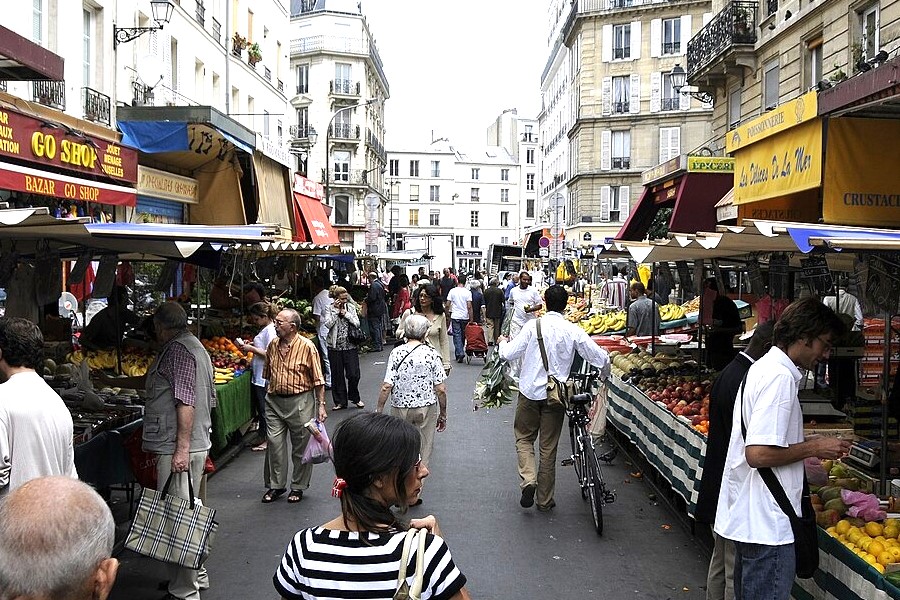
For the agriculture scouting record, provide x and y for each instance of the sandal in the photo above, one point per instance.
(336, 407)
(360, 404)
(295, 496)
(260, 448)
(272, 495)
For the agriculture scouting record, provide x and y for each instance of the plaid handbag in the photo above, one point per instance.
(172, 529)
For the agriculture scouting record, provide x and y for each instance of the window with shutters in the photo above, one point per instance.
(473, 218)
(671, 38)
(434, 218)
(621, 90)
(475, 194)
(622, 41)
(394, 167)
(734, 107)
(770, 85)
(475, 172)
(618, 203)
(87, 47)
(414, 193)
(460, 241)
(529, 182)
(670, 99)
(434, 193)
(621, 149)
(413, 168)
(414, 217)
(529, 208)
(302, 79)
(435, 168)
(504, 219)
(37, 22)
(504, 195)
(669, 143)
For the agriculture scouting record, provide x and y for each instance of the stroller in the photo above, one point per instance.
(476, 345)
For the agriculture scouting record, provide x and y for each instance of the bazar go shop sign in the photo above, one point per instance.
(42, 183)
(40, 142)
(862, 186)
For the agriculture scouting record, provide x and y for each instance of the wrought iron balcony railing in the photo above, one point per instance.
(217, 30)
(734, 25)
(529, 137)
(670, 104)
(200, 13)
(619, 107)
(2, 86)
(623, 52)
(267, 73)
(376, 145)
(49, 93)
(95, 105)
(280, 86)
(143, 95)
(771, 7)
(302, 88)
(343, 131)
(671, 47)
(345, 87)
(621, 162)
(300, 132)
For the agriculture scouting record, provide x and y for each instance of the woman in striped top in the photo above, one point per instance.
(357, 555)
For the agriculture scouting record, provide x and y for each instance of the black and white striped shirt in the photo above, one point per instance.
(324, 564)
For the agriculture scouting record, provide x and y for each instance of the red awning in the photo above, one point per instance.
(45, 183)
(312, 224)
(692, 198)
(23, 60)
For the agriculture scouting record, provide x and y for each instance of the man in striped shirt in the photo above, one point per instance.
(296, 388)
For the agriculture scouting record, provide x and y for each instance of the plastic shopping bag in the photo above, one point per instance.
(318, 449)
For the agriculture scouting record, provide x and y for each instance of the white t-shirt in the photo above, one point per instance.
(747, 511)
(519, 298)
(459, 297)
(262, 340)
(320, 303)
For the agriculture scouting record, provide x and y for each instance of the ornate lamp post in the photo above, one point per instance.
(162, 14)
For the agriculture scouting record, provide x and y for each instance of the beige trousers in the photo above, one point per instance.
(286, 416)
(720, 579)
(425, 420)
(535, 421)
(183, 582)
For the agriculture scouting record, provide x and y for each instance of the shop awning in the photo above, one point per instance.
(23, 60)
(159, 129)
(806, 236)
(45, 183)
(314, 225)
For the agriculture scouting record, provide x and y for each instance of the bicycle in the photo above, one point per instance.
(584, 457)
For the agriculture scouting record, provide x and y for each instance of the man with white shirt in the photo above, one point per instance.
(459, 305)
(525, 301)
(35, 425)
(535, 419)
(321, 301)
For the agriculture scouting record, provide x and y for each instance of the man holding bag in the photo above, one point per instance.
(177, 422)
(535, 418)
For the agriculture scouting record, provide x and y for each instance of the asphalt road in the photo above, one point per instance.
(505, 551)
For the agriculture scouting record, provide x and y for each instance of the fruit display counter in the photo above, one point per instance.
(232, 410)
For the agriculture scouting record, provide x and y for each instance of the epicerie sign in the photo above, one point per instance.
(41, 142)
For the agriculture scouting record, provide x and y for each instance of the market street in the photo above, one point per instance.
(505, 551)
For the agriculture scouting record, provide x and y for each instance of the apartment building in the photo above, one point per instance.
(519, 137)
(467, 198)
(337, 96)
(625, 114)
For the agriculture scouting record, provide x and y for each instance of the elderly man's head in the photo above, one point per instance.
(415, 327)
(169, 320)
(56, 541)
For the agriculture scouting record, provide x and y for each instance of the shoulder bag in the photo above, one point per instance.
(404, 590)
(558, 392)
(355, 335)
(806, 535)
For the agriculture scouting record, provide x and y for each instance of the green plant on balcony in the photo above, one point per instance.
(254, 54)
(238, 42)
(837, 75)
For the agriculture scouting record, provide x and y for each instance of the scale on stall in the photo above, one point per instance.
(865, 453)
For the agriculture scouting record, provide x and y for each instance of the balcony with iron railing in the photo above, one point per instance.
(375, 144)
(667, 104)
(300, 132)
(671, 48)
(771, 7)
(343, 131)
(622, 52)
(340, 45)
(200, 13)
(267, 74)
(529, 137)
(726, 41)
(142, 94)
(621, 162)
(352, 177)
(49, 93)
(344, 87)
(217, 30)
(280, 86)
(619, 107)
(95, 105)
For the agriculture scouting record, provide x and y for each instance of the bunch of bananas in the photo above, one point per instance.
(670, 312)
(133, 364)
(597, 324)
(223, 375)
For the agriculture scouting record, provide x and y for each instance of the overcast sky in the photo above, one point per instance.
(453, 67)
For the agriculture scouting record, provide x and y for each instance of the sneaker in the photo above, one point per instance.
(527, 500)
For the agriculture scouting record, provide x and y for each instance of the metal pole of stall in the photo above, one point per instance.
(885, 392)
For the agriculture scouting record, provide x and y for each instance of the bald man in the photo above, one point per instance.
(56, 541)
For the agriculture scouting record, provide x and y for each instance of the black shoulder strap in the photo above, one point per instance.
(768, 476)
(541, 346)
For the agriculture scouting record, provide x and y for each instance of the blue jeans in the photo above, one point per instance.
(459, 338)
(376, 331)
(763, 572)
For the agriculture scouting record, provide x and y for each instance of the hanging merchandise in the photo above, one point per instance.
(48, 276)
(106, 276)
(79, 269)
(8, 262)
(167, 276)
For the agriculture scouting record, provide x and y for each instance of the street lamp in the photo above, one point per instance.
(162, 14)
(678, 77)
(328, 145)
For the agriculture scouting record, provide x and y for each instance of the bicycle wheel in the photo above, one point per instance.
(577, 459)
(594, 486)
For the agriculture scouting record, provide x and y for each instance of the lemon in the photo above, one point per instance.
(879, 567)
(873, 528)
(854, 536)
(870, 559)
(892, 521)
(843, 526)
(864, 542)
(891, 531)
(875, 547)
(832, 531)
(886, 558)
(880, 538)
(895, 551)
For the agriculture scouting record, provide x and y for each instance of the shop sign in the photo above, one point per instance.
(468, 253)
(814, 270)
(710, 164)
(267, 147)
(726, 212)
(168, 186)
(32, 181)
(308, 187)
(780, 165)
(671, 166)
(778, 275)
(883, 281)
(862, 186)
(788, 115)
(36, 141)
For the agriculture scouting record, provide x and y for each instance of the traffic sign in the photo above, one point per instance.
(544, 252)
(544, 242)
